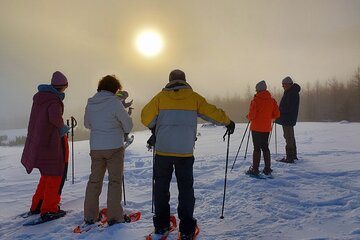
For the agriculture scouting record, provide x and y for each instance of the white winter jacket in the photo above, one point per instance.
(107, 120)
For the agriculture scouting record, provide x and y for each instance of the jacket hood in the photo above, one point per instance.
(51, 89)
(177, 89)
(295, 88)
(263, 95)
(46, 94)
(101, 99)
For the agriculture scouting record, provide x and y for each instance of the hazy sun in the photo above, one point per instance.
(149, 43)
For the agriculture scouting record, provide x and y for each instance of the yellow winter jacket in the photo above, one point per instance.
(173, 112)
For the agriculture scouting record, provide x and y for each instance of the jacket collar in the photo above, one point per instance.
(177, 84)
(51, 89)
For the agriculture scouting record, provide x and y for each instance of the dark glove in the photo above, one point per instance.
(231, 127)
(151, 141)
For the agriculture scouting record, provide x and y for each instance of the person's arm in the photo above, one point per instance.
(123, 117)
(55, 112)
(276, 112)
(211, 113)
(252, 111)
(150, 112)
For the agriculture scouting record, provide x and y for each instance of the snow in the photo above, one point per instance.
(316, 198)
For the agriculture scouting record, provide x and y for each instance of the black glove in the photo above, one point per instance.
(231, 127)
(151, 141)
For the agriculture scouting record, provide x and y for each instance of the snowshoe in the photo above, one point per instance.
(252, 172)
(286, 160)
(46, 218)
(162, 234)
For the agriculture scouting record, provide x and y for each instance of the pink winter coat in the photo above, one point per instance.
(43, 148)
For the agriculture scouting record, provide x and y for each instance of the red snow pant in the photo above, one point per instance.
(47, 196)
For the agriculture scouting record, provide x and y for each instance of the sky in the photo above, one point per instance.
(224, 47)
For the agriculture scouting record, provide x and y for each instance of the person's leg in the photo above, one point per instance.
(290, 142)
(266, 152)
(186, 198)
(294, 143)
(51, 195)
(256, 136)
(115, 166)
(94, 185)
(38, 197)
(163, 170)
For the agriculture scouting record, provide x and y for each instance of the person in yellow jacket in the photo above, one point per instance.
(172, 117)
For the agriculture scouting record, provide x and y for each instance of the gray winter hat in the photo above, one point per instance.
(261, 86)
(287, 80)
(177, 74)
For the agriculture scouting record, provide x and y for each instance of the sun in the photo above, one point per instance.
(149, 43)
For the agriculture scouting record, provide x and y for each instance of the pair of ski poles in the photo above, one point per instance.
(72, 126)
(247, 143)
(227, 156)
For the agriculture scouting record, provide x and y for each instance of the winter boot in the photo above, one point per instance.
(287, 160)
(51, 216)
(267, 159)
(190, 236)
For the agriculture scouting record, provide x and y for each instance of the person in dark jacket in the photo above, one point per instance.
(289, 108)
(46, 146)
(172, 117)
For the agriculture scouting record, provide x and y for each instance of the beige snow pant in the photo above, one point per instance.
(113, 161)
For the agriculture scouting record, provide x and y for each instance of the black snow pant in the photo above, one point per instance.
(260, 141)
(163, 169)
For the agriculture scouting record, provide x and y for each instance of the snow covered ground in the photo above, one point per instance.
(316, 198)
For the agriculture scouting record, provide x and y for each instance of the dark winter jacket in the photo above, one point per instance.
(289, 106)
(43, 147)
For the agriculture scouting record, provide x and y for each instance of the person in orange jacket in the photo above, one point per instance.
(263, 109)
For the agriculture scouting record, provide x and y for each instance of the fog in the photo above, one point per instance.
(224, 47)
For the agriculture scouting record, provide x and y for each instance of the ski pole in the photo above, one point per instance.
(226, 168)
(153, 183)
(271, 132)
(67, 134)
(123, 180)
(240, 146)
(73, 125)
(247, 144)
(275, 141)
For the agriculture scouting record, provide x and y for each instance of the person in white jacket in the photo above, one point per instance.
(108, 121)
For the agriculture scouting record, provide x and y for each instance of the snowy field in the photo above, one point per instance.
(316, 198)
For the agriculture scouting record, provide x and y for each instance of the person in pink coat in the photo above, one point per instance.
(46, 146)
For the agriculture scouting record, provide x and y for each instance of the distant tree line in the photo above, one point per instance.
(329, 101)
(19, 140)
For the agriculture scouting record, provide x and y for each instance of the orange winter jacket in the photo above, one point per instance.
(263, 108)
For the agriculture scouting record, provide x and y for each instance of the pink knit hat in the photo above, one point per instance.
(59, 79)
